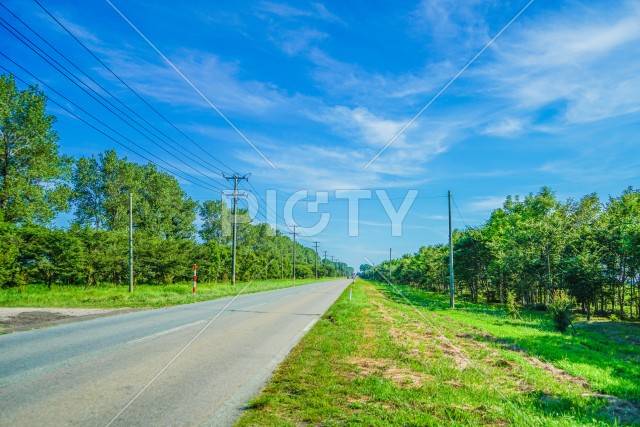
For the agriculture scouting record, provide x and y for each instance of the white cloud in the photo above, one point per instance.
(283, 10)
(291, 30)
(217, 79)
(488, 203)
(506, 127)
(589, 61)
(451, 19)
(294, 42)
(369, 133)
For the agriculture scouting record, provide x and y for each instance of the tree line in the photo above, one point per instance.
(534, 247)
(37, 183)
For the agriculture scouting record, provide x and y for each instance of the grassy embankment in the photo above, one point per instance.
(381, 359)
(112, 296)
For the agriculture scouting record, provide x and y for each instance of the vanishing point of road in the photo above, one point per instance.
(195, 364)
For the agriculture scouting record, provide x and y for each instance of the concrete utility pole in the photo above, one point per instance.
(235, 177)
(451, 293)
(130, 242)
(294, 253)
(389, 264)
(316, 243)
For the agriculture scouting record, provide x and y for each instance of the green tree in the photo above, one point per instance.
(216, 221)
(32, 173)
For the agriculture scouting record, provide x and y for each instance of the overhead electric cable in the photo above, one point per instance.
(94, 81)
(206, 186)
(94, 97)
(129, 87)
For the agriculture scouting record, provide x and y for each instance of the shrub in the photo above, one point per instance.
(512, 305)
(560, 309)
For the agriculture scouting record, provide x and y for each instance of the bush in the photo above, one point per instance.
(512, 305)
(560, 309)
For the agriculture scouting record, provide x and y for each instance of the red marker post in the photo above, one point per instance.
(195, 276)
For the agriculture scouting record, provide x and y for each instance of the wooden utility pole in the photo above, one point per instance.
(316, 243)
(334, 266)
(294, 253)
(130, 242)
(235, 177)
(451, 291)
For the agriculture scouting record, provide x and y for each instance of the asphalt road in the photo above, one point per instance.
(194, 364)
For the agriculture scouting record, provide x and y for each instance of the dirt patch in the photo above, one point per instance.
(461, 361)
(384, 312)
(23, 319)
(402, 377)
(405, 377)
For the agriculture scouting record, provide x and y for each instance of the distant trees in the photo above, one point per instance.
(536, 247)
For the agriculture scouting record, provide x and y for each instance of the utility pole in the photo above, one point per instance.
(389, 264)
(334, 266)
(316, 243)
(451, 293)
(325, 260)
(235, 177)
(130, 242)
(294, 253)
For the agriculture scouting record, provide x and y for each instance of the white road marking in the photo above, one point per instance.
(310, 325)
(254, 306)
(169, 331)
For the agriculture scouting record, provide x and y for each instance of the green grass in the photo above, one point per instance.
(112, 296)
(382, 360)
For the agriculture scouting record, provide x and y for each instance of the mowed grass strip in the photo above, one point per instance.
(379, 360)
(118, 296)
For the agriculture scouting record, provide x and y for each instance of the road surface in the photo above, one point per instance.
(194, 364)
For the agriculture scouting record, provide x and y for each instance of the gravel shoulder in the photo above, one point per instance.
(15, 319)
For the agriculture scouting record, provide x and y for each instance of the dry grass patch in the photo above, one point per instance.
(402, 377)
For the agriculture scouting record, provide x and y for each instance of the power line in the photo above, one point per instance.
(93, 80)
(128, 119)
(132, 90)
(172, 172)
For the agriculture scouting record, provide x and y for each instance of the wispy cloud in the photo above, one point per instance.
(450, 19)
(217, 79)
(293, 29)
(505, 127)
(294, 42)
(282, 10)
(488, 203)
(367, 131)
(590, 61)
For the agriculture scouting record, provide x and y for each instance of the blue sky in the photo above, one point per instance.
(320, 88)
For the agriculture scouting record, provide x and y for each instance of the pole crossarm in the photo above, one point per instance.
(235, 178)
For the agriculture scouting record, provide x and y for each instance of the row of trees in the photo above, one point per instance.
(536, 246)
(37, 183)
